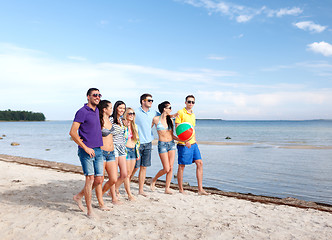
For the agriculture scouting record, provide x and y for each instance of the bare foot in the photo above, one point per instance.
(131, 198)
(92, 215)
(183, 192)
(143, 194)
(168, 191)
(203, 193)
(152, 185)
(117, 202)
(104, 208)
(79, 203)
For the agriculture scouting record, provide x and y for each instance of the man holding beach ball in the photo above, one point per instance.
(188, 151)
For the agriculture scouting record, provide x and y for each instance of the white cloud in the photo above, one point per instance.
(244, 18)
(214, 57)
(32, 80)
(54, 82)
(241, 13)
(273, 105)
(321, 47)
(310, 26)
(77, 58)
(288, 11)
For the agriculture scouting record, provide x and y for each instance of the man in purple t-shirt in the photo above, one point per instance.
(86, 132)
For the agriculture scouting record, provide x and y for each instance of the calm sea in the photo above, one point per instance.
(272, 158)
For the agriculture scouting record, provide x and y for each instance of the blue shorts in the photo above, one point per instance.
(92, 166)
(187, 156)
(109, 156)
(131, 154)
(145, 153)
(164, 147)
(120, 150)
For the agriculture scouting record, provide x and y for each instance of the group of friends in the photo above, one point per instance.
(118, 137)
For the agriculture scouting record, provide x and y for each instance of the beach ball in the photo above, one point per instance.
(185, 131)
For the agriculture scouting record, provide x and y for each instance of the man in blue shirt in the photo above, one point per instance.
(143, 120)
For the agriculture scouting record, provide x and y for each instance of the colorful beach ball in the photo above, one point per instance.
(185, 131)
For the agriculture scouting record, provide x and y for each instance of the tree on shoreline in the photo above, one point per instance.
(9, 115)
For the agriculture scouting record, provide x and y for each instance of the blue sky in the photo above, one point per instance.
(243, 60)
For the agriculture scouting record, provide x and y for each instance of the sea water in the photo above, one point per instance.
(271, 158)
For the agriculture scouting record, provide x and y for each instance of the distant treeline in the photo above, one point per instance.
(9, 115)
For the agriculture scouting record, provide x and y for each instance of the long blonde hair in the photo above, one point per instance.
(132, 124)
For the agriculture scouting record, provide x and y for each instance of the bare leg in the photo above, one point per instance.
(112, 172)
(167, 160)
(141, 181)
(165, 163)
(199, 176)
(180, 177)
(78, 199)
(123, 172)
(169, 175)
(130, 167)
(99, 192)
(88, 194)
(133, 173)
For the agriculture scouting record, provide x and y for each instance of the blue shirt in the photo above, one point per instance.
(144, 122)
(89, 130)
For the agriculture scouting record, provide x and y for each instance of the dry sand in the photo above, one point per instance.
(36, 203)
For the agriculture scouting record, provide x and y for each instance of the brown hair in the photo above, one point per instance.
(144, 96)
(190, 96)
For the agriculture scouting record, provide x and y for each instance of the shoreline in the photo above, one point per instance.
(64, 167)
(292, 146)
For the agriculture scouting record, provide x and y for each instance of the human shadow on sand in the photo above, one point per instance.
(55, 195)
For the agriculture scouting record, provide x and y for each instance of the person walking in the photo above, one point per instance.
(86, 133)
(188, 152)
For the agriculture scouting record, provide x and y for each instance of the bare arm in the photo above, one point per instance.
(74, 135)
(155, 121)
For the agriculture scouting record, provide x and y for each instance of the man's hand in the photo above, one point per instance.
(188, 144)
(90, 151)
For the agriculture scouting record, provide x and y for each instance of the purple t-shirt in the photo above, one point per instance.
(89, 130)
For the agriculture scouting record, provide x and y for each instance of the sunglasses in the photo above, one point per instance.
(131, 114)
(149, 100)
(191, 102)
(169, 107)
(96, 95)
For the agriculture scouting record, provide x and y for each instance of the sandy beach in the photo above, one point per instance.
(36, 203)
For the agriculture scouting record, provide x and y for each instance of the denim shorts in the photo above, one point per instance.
(145, 153)
(186, 155)
(92, 166)
(164, 147)
(109, 156)
(119, 150)
(131, 154)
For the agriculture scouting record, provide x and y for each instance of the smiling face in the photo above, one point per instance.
(130, 115)
(190, 102)
(147, 102)
(121, 109)
(94, 98)
(168, 109)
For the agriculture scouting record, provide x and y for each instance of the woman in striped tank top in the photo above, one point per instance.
(119, 141)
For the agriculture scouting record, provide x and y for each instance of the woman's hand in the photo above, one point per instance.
(125, 122)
